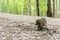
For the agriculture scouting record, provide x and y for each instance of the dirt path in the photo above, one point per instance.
(13, 27)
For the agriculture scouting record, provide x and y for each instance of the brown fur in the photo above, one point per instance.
(41, 23)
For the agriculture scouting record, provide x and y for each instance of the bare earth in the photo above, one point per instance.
(18, 27)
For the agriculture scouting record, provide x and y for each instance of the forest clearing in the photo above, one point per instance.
(22, 27)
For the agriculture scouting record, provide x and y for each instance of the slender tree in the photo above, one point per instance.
(57, 8)
(37, 7)
(28, 7)
(49, 10)
(53, 8)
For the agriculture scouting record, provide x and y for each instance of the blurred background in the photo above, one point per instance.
(49, 8)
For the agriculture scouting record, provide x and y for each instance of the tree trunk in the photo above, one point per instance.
(49, 11)
(53, 8)
(57, 8)
(37, 7)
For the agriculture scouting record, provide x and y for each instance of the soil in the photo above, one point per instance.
(13, 27)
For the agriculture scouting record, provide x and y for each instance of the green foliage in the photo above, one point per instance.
(43, 7)
(20, 6)
(33, 9)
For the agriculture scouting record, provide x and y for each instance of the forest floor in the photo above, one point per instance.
(13, 27)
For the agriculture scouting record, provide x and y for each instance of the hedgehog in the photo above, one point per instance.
(41, 23)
